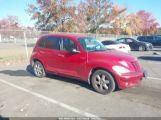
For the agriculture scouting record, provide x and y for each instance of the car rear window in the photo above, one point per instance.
(50, 42)
(121, 40)
(41, 43)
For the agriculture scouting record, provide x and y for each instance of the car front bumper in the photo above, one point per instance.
(131, 79)
(150, 47)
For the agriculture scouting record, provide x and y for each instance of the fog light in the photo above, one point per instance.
(126, 83)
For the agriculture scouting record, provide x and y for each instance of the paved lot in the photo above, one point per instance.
(23, 95)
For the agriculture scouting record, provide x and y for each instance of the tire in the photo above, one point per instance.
(142, 48)
(39, 70)
(103, 82)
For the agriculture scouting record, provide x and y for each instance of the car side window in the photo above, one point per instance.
(52, 43)
(107, 42)
(142, 39)
(41, 43)
(129, 41)
(68, 45)
(149, 38)
(121, 40)
(158, 38)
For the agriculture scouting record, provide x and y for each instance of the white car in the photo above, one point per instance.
(117, 46)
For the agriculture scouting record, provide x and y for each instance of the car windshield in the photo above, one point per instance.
(136, 40)
(91, 44)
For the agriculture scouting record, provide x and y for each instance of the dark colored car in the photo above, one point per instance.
(155, 40)
(136, 45)
(85, 59)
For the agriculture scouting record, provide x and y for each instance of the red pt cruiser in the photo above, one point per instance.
(85, 58)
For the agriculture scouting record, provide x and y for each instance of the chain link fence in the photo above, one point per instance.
(16, 45)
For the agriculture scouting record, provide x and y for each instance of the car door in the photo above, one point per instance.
(72, 64)
(133, 45)
(50, 52)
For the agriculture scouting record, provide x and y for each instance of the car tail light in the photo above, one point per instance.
(122, 47)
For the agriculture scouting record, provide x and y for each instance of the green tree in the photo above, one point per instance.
(60, 15)
(96, 14)
(134, 24)
(149, 23)
(10, 22)
(50, 14)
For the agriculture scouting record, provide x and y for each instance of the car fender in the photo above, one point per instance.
(99, 64)
(40, 58)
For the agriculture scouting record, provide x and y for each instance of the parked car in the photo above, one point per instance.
(135, 44)
(86, 59)
(155, 40)
(116, 46)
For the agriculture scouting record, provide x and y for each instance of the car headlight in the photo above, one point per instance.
(120, 70)
(124, 63)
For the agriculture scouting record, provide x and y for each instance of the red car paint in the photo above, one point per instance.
(81, 65)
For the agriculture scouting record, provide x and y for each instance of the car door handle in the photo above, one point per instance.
(60, 55)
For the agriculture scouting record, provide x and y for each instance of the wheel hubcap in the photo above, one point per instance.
(38, 69)
(102, 82)
(141, 48)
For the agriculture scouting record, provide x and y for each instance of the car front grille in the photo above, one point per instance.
(135, 64)
(150, 47)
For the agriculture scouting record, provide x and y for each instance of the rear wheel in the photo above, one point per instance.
(103, 82)
(39, 70)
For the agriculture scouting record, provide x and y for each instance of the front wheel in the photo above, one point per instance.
(103, 82)
(142, 48)
(39, 70)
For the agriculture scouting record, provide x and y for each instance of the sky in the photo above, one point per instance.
(17, 8)
(152, 6)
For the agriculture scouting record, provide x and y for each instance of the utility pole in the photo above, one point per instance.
(0, 38)
(26, 49)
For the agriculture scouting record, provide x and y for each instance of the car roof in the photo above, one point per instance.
(125, 38)
(65, 35)
(109, 41)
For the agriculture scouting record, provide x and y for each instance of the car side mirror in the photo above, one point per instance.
(73, 50)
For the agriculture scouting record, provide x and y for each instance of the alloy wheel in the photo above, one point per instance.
(103, 82)
(39, 69)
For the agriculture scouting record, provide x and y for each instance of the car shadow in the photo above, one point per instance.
(3, 118)
(16, 73)
(157, 46)
(150, 58)
(29, 72)
(156, 49)
(71, 81)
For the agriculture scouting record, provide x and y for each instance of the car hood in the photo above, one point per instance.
(114, 56)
